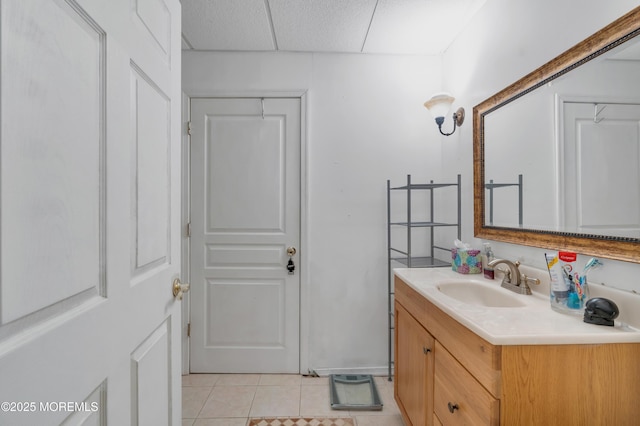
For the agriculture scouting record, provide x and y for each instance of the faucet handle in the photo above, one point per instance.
(525, 279)
(506, 273)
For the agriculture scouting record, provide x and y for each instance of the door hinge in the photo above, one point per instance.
(189, 230)
(189, 330)
(189, 128)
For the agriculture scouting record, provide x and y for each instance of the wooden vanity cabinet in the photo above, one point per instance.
(447, 375)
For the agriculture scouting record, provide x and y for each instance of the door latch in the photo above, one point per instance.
(291, 267)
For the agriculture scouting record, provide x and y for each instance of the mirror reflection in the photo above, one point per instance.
(565, 157)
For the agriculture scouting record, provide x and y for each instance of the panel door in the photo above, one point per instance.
(601, 159)
(245, 213)
(89, 212)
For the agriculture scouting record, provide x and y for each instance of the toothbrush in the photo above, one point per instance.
(580, 286)
(592, 263)
(582, 280)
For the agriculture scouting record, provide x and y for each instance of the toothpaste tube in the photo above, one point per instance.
(560, 285)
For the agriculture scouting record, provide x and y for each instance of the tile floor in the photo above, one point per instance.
(231, 399)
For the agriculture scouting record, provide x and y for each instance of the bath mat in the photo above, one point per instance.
(302, 421)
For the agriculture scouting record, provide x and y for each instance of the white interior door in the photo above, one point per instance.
(245, 213)
(89, 212)
(601, 168)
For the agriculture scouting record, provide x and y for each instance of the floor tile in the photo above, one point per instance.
(276, 401)
(313, 380)
(280, 380)
(238, 379)
(228, 401)
(304, 421)
(386, 394)
(200, 379)
(314, 401)
(395, 420)
(193, 399)
(221, 422)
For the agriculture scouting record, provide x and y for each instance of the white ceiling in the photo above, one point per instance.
(423, 27)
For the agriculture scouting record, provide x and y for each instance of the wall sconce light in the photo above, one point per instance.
(439, 106)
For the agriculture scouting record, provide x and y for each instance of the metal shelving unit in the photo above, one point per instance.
(405, 255)
(492, 185)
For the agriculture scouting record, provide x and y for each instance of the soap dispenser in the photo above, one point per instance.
(488, 254)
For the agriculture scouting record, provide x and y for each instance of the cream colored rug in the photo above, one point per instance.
(302, 421)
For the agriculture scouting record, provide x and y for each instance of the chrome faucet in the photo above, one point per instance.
(513, 280)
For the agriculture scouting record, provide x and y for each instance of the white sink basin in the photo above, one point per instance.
(478, 293)
(503, 317)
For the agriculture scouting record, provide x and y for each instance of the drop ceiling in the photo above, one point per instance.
(420, 27)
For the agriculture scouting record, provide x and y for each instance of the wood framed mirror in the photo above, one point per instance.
(619, 244)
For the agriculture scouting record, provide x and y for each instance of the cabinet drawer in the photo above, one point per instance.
(458, 398)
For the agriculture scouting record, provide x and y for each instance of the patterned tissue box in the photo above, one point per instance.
(466, 261)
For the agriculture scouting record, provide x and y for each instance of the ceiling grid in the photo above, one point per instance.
(422, 27)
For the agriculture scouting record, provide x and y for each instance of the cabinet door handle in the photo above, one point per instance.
(426, 350)
(452, 407)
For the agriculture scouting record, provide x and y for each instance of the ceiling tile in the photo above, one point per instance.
(418, 26)
(227, 25)
(321, 26)
(369, 26)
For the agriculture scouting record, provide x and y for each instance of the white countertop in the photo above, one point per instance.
(535, 323)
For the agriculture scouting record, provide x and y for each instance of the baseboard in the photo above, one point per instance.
(374, 371)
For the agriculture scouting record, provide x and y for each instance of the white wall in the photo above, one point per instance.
(365, 124)
(506, 40)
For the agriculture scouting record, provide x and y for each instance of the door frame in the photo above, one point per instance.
(304, 302)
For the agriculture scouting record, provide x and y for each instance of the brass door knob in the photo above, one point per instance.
(179, 288)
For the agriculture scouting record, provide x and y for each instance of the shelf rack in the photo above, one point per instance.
(404, 256)
(492, 185)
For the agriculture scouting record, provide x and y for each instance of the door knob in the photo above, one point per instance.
(291, 251)
(179, 288)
